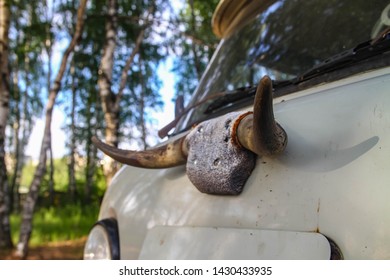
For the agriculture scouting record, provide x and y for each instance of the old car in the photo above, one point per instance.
(282, 153)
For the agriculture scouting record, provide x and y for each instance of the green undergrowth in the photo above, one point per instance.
(51, 224)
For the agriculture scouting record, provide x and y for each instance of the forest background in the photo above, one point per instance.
(101, 64)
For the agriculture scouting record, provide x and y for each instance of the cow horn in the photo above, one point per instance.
(259, 132)
(169, 155)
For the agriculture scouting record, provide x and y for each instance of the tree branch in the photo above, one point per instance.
(128, 64)
(130, 59)
(106, 64)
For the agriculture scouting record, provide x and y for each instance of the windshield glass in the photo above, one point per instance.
(287, 39)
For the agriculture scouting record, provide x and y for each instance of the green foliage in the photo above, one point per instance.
(27, 174)
(58, 223)
(194, 45)
(61, 180)
(60, 175)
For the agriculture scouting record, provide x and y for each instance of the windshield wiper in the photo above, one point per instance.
(241, 95)
(360, 52)
(230, 98)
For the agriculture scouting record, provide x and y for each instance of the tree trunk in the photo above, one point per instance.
(29, 205)
(110, 100)
(26, 127)
(16, 140)
(90, 172)
(48, 46)
(17, 157)
(142, 105)
(110, 166)
(93, 124)
(111, 113)
(89, 146)
(51, 174)
(90, 165)
(72, 160)
(5, 231)
(142, 119)
(193, 45)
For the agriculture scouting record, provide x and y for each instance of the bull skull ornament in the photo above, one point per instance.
(220, 154)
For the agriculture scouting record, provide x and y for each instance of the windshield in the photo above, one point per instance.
(287, 39)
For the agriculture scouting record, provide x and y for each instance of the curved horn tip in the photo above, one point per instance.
(160, 157)
(97, 142)
(265, 81)
(100, 144)
(95, 139)
(268, 136)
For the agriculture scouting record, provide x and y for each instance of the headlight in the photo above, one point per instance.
(103, 241)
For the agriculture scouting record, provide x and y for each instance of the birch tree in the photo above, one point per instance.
(29, 205)
(110, 99)
(49, 51)
(27, 34)
(72, 144)
(5, 232)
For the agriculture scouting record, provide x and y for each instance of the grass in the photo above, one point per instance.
(59, 223)
(66, 220)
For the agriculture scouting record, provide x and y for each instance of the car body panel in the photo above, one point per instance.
(332, 178)
(166, 242)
